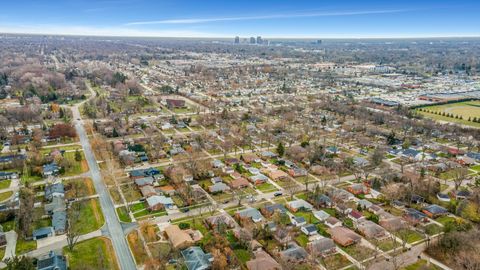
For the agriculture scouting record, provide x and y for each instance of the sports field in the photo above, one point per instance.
(465, 110)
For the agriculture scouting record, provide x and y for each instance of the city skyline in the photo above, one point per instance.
(269, 19)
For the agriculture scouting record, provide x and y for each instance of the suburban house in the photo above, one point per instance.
(320, 200)
(309, 229)
(343, 236)
(356, 217)
(220, 220)
(258, 179)
(433, 211)
(144, 181)
(358, 189)
(299, 205)
(52, 262)
(321, 215)
(178, 238)
(54, 191)
(175, 103)
(269, 210)
(364, 204)
(148, 191)
(140, 173)
(277, 175)
(218, 187)
(297, 172)
(8, 175)
(50, 169)
(43, 232)
(159, 202)
(322, 247)
(249, 158)
(239, 183)
(333, 222)
(294, 254)
(393, 223)
(371, 230)
(297, 220)
(196, 259)
(414, 216)
(263, 261)
(249, 213)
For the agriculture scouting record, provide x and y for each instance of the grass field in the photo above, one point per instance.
(465, 109)
(96, 253)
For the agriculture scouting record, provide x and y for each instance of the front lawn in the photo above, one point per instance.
(96, 253)
(242, 255)
(266, 187)
(5, 195)
(24, 246)
(335, 261)
(359, 252)
(432, 229)
(445, 219)
(411, 236)
(91, 216)
(421, 265)
(123, 214)
(302, 240)
(5, 184)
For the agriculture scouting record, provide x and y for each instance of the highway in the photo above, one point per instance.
(113, 226)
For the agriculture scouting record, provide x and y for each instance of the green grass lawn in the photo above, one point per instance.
(476, 168)
(465, 109)
(91, 216)
(309, 217)
(445, 219)
(411, 236)
(266, 187)
(123, 214)
(421, 265)
(5, 184)
(78, 167)
(96, 253)
(242, 255)
(432, 229)
(387, 244)
(359, 252)
(336, 261)
(302, 239)
(5, 195)
(24, 246)
(138, 207)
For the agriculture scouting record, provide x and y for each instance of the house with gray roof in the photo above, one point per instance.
(218, 187)
(54, 190)
(52, 262)
(196, 259)
(251, 213)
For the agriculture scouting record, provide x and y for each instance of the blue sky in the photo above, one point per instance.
(279, 18)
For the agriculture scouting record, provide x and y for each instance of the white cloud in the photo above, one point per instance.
(98, 31)
(266, 17)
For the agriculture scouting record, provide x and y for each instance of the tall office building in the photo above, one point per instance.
(252, 40)
(237, 40)
(259, 40)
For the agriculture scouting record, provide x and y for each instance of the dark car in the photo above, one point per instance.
(276, 194)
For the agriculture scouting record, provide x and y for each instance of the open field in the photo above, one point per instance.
(96, 253)
(466, 109)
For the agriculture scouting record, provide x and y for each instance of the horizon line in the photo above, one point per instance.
(248, 36)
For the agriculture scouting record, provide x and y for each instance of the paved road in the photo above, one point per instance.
(113, 226)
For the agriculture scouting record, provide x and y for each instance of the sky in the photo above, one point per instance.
(244, 18)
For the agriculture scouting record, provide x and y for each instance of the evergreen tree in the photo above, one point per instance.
(280, 149)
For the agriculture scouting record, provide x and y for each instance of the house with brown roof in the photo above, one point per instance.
(175, 103)
(277, 175)
(371, 230)
(393, 223)
(343, 236)
(263, 261)
(178, 238)
(249, 158)
(239, 183)
(148, 191)
(322, 247)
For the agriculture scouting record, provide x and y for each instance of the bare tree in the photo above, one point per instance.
(73, 226)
